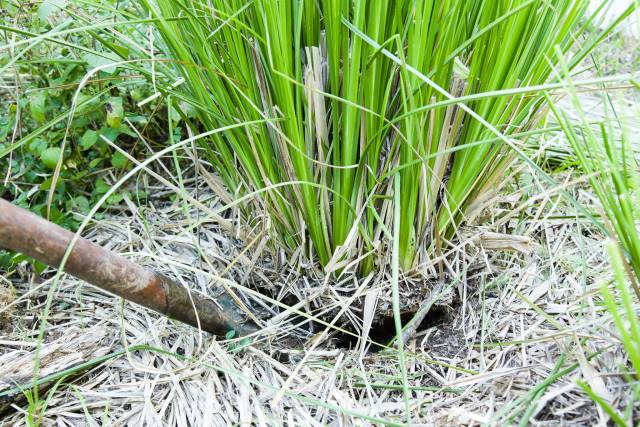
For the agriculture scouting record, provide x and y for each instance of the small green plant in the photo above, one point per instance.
(354, 93)
(37, 130)
(37, 407)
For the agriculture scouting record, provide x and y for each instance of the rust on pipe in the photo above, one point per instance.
(27, 233)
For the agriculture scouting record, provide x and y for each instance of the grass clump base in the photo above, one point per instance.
(344, 96)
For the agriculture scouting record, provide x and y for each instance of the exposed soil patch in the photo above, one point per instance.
(442, 335)
(385, 332)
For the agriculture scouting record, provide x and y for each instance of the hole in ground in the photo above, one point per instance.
(385, 331)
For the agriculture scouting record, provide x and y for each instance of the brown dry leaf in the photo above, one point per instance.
(504, 242)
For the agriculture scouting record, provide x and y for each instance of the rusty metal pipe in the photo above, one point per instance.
(27, 233)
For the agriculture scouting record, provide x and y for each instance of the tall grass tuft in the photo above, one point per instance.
(608, 156)
(351, 95)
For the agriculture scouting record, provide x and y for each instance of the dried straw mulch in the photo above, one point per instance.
(515, 313)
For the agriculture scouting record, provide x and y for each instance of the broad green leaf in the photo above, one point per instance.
(115, 112)
(37, 105)
(82, 204)
(101, 187)
(95, 162)
(37, 146)
(110, 133)
(89, 138)
(5, 259)
(39, 267)
(136, 94)
(118, 160)
(51, 156)
(115, 198)
(46, 185)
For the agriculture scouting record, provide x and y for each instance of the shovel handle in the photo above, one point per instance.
(24, 232)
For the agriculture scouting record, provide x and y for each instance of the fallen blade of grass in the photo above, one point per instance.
(412, 388)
